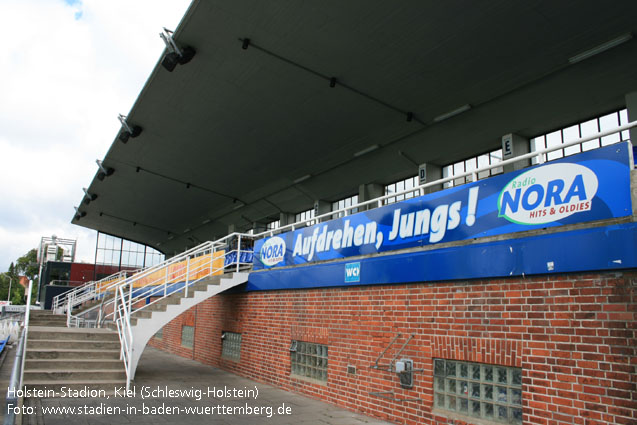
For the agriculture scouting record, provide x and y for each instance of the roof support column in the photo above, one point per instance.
(322, 207)
(286, 218)
(370, 191)
(514, 145)
(429, 172)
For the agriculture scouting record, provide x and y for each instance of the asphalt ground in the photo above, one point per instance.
(169, 389)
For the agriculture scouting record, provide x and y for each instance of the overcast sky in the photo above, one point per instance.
(67, 68)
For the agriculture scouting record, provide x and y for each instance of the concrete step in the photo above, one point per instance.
(70, 375)
(72, 344)
(49, 319)
(143, 314)
(62, 364)
(106, 386)
(71, 354)
(40, 313)
(156, 307)
(57, 324)
(75, 334)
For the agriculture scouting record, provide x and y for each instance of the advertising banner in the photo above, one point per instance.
(589, 186)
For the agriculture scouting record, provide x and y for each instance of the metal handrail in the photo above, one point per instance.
(17, 373)
(14, 383)
(156, 282)
(87, 292)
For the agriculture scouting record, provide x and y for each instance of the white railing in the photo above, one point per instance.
(378, 202)
(70, 299)
(176, 275)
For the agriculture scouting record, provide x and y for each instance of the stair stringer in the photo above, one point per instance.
(144, 330)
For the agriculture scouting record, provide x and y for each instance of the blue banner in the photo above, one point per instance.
(589, 186)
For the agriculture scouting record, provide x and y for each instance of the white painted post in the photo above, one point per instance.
(238, 252)
(187, 275)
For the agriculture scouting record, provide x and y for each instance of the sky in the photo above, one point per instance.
(67, 69)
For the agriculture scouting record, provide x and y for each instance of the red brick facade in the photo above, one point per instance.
(572, 335)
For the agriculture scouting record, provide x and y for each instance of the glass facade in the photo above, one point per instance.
(114, 251)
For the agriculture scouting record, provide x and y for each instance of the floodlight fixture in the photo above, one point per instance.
(333, 82)
(88, 196)
(410, 116)
(127, 130)
(104, 171)
(78, 214)
(174, 56)
(245, 44)
(600, 48)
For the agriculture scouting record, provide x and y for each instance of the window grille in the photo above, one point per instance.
(479, 390)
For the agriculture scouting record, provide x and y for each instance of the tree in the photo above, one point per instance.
(27, 265)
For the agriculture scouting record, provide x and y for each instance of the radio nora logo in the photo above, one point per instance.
(273, 251)
(548, 193)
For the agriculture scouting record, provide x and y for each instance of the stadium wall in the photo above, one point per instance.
(573, 336)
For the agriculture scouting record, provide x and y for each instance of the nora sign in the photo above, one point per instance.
(590, 186)
(272, 251)
(548, 193)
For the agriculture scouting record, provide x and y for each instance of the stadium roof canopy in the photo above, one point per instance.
(226, 136)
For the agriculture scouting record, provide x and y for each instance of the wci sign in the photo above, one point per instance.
(590, 186)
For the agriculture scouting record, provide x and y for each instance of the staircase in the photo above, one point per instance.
(144, 323)
(136, 307)
(75, 358)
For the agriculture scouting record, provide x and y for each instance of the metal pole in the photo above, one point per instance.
(238, 251)
(9, 294)
(26, 329)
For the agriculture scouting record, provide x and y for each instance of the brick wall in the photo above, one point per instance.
(573, 336)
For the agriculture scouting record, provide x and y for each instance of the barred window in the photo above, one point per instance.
(231, 346)
(345, 203)
(305, 215)
(187, 336)
(583, 129)
(480, 390)
(399, 186)
(471, 164)
(309, 360)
